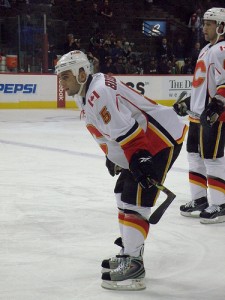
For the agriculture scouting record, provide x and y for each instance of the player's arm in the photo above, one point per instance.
(214, 110)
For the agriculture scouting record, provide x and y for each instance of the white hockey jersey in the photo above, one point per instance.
(209, 76)
(123, 121)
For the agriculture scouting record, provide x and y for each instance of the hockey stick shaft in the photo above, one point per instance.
(193, 114)
(160, 210)
(182, 94)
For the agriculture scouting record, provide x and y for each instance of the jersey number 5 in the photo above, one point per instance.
(105, 114)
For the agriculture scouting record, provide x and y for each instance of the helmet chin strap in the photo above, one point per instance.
(219, 34)
(81, 84)
(81, 88)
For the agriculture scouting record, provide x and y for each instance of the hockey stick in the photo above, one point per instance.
(182, 94)
(158, 213)
(193, 114)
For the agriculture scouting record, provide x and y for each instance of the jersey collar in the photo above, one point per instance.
(89, 80)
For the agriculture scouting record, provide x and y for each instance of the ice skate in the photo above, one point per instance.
(194, 207)
(213, 214)
(113, 262)
(128, 276)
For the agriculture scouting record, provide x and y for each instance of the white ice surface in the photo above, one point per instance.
(58, 220)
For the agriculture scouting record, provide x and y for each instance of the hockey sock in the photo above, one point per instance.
(135, 231)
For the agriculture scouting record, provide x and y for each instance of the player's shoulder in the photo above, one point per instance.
(103, 83)
(97, 90)
(219, 47)
(97, 83)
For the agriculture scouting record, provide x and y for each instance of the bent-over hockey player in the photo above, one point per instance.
(206, 136)
(138, 136)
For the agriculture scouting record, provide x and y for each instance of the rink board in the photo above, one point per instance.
(44, 91)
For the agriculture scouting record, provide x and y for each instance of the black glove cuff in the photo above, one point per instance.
(216, 105)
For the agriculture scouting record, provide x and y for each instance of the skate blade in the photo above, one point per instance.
(125, 285)
(193, 214)
(216, 220)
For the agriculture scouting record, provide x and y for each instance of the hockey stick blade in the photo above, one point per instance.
(182, 94)
(160, 210)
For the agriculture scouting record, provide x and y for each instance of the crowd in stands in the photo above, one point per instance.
(117, 54)
(113, 55)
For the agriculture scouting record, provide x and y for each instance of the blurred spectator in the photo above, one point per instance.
(96, 40)
(173, 66)
(179, 52)
(198, 33)
(193, 22)
(106, 10)
(195, 53)
(95, 13)
(195, 25)
(94, 63)
(71, 43)
(188, 68)
(118, 50)
(108, 66)
(111, 40)
(167, 66)
(164, 50)
(106, 13)
(151, 67)
(95, 10)
(130, 66)
(140, 67)
(102, 52)
(164, 66)
(127, 46)
(120, 69)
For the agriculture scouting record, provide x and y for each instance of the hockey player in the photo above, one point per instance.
(206, 136)
(141, 139)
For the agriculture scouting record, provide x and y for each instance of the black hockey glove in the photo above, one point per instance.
(142, 168)
(182, 106)
(112, 168)
(212, 112)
